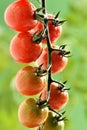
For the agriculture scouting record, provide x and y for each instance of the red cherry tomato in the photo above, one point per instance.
(19, 15)
(30, 114)
(23, 49)
(57, 99)
(28, 83)
(59, 62)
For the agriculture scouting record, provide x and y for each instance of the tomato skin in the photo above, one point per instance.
(19, 15)
(30, 114)
(23, 49)
(52, 123)
(59, 62)
(54, 31)
(58, 99)
(28, 83)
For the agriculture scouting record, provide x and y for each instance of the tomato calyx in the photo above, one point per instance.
(41, 72)
(61, 86)
(42, 103)
(57, 15)
(58, 118)
(39, 15)
(39, 36)
(55, 20)
(62, 51)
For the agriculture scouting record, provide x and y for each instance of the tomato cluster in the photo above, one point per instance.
(28, 46)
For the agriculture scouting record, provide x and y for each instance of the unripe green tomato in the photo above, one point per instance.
(53, 124)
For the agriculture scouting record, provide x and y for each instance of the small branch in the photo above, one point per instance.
(59, 114)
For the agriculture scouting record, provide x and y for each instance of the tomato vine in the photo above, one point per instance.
(26, 47)
(61, 50)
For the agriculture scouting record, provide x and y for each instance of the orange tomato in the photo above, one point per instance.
(30, 114)
(28, 83)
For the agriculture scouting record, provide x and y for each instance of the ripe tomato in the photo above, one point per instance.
(28, 83)
(19, 15)
(23, 49)
(52, 123)
(30, 114)
(57, 99)
(54, 31)
(59, 62)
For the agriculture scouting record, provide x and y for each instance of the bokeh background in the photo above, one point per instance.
(75, 36)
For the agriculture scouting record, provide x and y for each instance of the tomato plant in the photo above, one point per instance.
(30, 114)
(28, 83)
(21, 48)
(19, 15)
(58, 97)
(59, 61)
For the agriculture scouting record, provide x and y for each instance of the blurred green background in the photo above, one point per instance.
(75, 36)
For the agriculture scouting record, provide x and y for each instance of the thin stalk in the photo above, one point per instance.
(49, 47)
